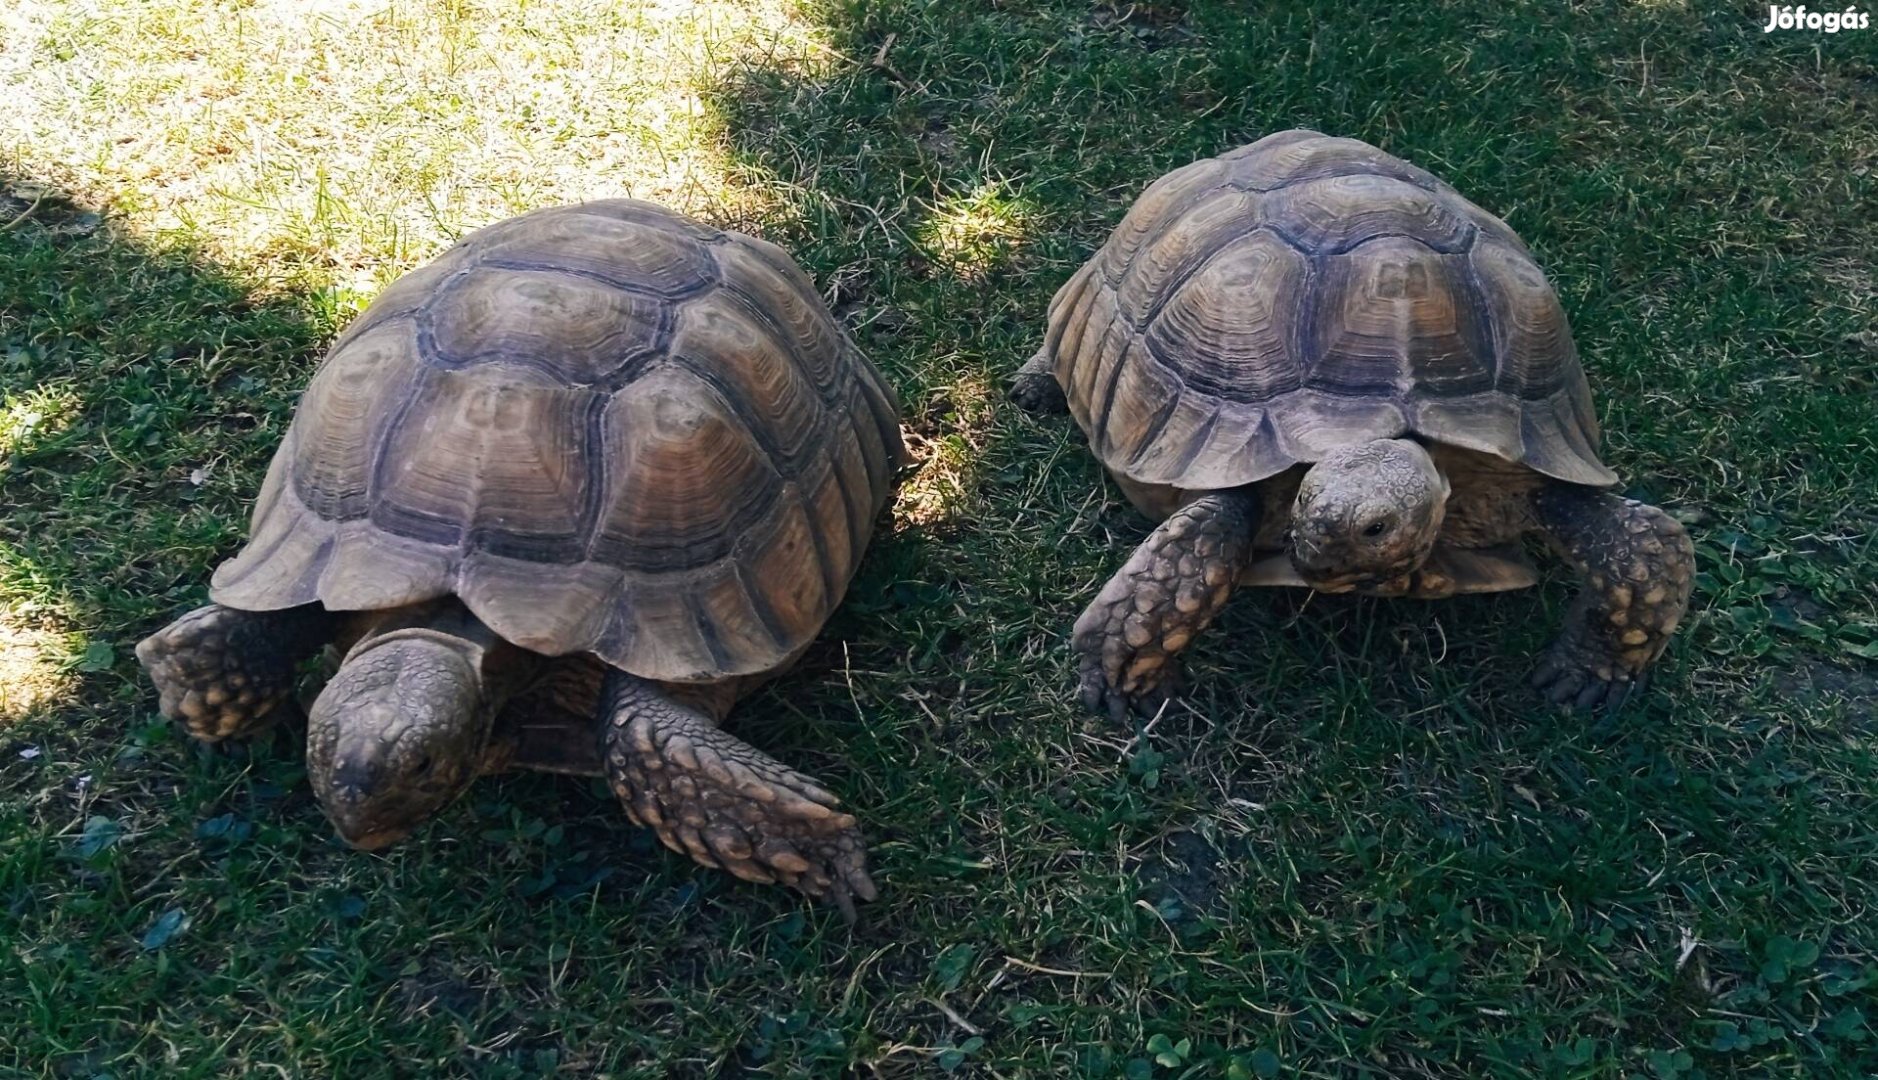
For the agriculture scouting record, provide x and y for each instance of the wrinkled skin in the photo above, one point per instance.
(1367, 516)
(398, 733)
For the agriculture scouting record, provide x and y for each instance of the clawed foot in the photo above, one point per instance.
(223, 672)
(1037, 393)
(1568, 676)
(1128, 683)
(1129, 636)
(711, 797)
(1639, 568)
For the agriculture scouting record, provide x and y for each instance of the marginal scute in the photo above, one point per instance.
(365, 567)
(1303, 293)
(1557, 444)
(1144, 398)
(1311, 423)
(287, 545)
(792, 604)
(1112, 350)
(837, 546)
(884, 406)
(607, 429)
(1071, 317)
(1103, 336)
(1530, 331)
(852, 480)
(880, 447)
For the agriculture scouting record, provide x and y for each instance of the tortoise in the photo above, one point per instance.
(598, 454)
(1318, 365)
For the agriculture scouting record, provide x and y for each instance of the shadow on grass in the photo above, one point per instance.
(143, 381)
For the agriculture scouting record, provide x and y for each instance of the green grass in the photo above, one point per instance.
(1361, 847)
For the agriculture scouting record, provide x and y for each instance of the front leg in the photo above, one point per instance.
(1034, 388)
(725, 803)
(1169, 590)
(222, 672)
(1639, 568)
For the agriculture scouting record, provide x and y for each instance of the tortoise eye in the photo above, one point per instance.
(420, 765)
(1375, 528)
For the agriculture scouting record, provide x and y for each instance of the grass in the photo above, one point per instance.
(1360, 848)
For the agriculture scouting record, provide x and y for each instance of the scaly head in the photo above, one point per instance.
(397, 734)
(1367, 514)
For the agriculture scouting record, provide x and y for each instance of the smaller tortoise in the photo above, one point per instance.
(1316, 364)
(595, 457)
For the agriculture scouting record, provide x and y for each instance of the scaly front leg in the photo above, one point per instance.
(1639, 568)
(222, 671)
(1168, 591)
(725, 803)
(1034, 388)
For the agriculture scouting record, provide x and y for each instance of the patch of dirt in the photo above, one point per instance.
(434, 990)
(25, 204)
(1154, 25)
(936, 138)
(1796, 603)
(1818, 682)
(1186, 877)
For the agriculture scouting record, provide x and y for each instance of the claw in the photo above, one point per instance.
(1547, 670)
(1593, 692)
(858, 882)
(1619, 696)
(838, 895)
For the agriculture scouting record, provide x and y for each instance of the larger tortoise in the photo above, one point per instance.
(596, 446)
(1319, 365)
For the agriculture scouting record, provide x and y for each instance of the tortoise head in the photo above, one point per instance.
(397, 733)
(1367, 514)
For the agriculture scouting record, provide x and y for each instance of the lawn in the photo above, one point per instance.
(1361, 846)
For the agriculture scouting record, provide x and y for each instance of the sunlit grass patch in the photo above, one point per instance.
(968, 234)
(35, 659)
(337, 144)
(34, 415)
(945, 446)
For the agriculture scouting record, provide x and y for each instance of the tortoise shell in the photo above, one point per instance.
(1258, 309)
(605, 428)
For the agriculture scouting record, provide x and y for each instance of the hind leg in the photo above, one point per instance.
(222, 672)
